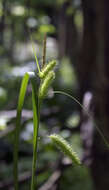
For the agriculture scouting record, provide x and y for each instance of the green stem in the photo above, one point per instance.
(89, 114)
(36, 119)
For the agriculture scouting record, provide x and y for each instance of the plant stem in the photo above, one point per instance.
(44, 50)
(36, 119)
(89, 115)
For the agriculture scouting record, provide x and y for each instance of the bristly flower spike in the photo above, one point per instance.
(47, 68)
(65, 147)
(45, 84)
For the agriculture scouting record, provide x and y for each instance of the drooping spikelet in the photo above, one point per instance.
(65, 147)
(45, 84)
(47, 68)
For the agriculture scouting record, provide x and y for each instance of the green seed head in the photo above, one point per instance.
(45, 84)
(49, 67)
(65, 147)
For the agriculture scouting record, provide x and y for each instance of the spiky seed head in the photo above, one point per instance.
(47, 68)
(65, 147)
(45, 84)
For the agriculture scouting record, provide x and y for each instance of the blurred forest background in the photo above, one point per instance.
(78, 38)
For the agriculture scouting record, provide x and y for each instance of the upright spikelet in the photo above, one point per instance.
(45, 84)
(47, 68)
(65, 147)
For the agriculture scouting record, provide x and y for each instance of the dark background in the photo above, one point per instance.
(78, 38)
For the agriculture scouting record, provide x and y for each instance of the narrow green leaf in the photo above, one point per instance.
(27, 76)
(18, 123)
(37, 63)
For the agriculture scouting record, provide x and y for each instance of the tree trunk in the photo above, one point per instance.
(94, 74)
(100, 164)
(88, 50)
